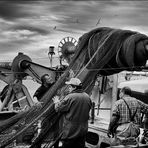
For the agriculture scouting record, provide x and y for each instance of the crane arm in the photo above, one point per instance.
(23, 66)
(36, 71)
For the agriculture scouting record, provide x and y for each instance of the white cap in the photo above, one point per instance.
(74, 81)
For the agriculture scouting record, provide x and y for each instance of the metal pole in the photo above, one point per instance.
(50, 54)
(51, 60)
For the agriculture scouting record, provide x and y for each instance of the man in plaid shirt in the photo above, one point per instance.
(122, 113)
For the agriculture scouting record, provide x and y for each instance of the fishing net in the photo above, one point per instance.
(102, 51)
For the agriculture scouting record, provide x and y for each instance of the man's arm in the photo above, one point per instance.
(114, 119)
(143, 107)
(37, 92)
(64, 105)
(112, 125)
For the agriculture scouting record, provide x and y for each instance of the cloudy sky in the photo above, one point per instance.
(32, 26)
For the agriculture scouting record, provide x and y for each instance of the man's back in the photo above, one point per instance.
(126, 118)
(76, 107)
(122, 110)
(80, 107)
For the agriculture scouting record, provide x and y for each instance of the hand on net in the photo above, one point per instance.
(38, 104)
(56, 99)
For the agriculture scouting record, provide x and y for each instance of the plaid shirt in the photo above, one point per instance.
(121, 109)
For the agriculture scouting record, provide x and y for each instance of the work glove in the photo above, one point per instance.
(56, 102)
(55, 99)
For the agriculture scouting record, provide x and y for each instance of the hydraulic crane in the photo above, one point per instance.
(13, 74)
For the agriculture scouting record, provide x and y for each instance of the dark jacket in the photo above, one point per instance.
(41, 91)
(75, 108)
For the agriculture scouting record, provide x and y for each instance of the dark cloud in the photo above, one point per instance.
(11, 10)
(34, 29)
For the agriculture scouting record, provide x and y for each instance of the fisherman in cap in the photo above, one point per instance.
(75, 108)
